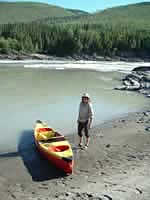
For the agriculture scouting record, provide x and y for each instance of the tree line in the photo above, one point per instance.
(74, 39)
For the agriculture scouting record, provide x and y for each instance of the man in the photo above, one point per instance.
(85, 119)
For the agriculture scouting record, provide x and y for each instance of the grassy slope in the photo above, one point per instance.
(25, 12)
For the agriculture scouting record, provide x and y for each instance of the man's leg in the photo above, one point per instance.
(80, 128)
(87, 134)
(80, 140)
(87, 141)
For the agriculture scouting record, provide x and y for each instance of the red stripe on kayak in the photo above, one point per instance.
(58, 148)
(44, 129)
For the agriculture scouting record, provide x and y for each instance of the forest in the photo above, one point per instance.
(68, 36)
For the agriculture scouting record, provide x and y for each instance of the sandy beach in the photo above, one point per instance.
(62, 63)
(115, 166)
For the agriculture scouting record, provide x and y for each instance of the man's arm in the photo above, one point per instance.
(90, 123)
(78, 119)
(91, 115)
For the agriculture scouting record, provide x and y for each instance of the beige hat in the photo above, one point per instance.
(86, 95)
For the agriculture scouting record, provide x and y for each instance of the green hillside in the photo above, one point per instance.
(122, 31)
(28, 11)
(133, 14)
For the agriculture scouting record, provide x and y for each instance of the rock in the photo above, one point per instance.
(98, 162)
(133, 88)
(141, 119)
(140, 157)
(68, 194)
(123, 120)
(108, 146)
(72, 187)
(108, 58)
(126, 82)
(89, 195)
(92, 181)
(77, 196)
(139, 190)
(101, 136)
(85, 171)
(147, 128)
(44, 184)
(120, 190)
(120, 88)
(39, 56)
(108, 197)
(114, 126)
(56, 195)
(138, 80)
(131, 156)
(13, 196)
(100, 58)
(141, 69)
(43, 187)
(33, 192)
(146, 114)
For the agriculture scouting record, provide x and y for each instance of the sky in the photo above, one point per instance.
(87, 5)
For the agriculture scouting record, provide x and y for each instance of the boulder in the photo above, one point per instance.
(120, 88)
(137, 80)
(141, 69)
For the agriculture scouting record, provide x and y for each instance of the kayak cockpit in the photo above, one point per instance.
(60, 148)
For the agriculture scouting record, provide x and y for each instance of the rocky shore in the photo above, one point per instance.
(137, 80)
(114, 167)
(25, 56)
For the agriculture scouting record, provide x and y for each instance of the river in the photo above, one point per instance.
(52, 94)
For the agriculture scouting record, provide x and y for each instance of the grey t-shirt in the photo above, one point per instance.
(85, 112)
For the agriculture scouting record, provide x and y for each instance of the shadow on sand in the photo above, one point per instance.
(9, 155)
(39, 168)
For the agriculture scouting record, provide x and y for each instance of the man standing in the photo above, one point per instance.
(85, 119)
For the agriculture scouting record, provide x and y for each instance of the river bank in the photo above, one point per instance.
(115, 166)
(36, 56)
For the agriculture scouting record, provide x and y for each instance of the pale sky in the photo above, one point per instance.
(87, 5)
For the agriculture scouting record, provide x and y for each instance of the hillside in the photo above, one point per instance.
(121, 31)
(133, 14)
(11, 12)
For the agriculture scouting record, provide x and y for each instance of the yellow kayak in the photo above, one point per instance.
(54, 147)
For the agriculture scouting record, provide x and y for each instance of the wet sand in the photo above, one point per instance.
(115, 166)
